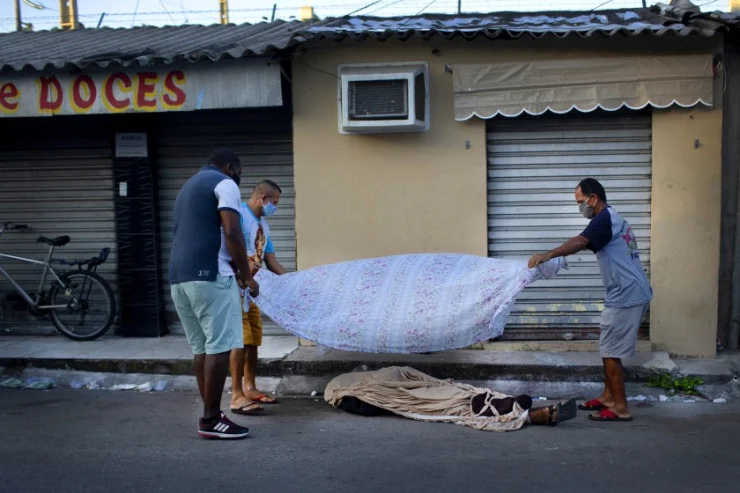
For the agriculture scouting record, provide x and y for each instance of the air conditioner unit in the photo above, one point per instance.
(380, 98)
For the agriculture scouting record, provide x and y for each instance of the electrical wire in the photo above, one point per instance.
(168, 12)
(34, 5)
(204, 12)
(300, 62)
(363, 8)
(417, 14)
(182, 11)
(408, 3)
(425, 7)
(384, 7)
(376, 7)
(601, 5)
(136, 10)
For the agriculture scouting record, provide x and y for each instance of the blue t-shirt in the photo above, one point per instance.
(612, 240)
(256, 235)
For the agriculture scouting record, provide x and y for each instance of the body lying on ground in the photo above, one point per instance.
(410, 393)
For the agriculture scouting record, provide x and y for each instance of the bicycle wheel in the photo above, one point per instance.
(90, 306)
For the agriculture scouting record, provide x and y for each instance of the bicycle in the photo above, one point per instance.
(79, 294)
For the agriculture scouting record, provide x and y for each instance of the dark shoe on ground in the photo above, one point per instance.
(567, 410)
(222, 429)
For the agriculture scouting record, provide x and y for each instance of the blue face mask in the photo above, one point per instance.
(269, 209)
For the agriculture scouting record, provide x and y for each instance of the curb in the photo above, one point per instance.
(313, 387)
(326, 369)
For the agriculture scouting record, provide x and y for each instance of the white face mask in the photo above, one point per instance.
(586, 210)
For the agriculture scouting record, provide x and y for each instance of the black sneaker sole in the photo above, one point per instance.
(215, 435)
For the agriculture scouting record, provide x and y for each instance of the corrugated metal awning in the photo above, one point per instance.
(149, 46)
(145, 46)
(534, 87)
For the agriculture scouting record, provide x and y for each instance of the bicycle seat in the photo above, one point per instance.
(59, 241)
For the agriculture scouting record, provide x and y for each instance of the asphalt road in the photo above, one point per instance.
(102, 441)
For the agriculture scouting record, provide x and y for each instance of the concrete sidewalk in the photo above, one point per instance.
(281, 356)
(168, 348)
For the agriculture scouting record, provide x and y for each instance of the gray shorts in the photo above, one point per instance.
(211, 314)
(619, 327)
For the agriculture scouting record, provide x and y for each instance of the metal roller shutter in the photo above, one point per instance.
(534, 165)
(261, 138)
(56, 177)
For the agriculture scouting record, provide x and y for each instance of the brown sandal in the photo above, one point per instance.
(249, 409)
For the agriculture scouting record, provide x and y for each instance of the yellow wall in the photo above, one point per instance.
(684, 256)
(371, 195)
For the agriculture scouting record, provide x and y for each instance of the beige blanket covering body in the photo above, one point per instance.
(416, 395)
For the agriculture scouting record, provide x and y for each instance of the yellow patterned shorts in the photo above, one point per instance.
(252, 325)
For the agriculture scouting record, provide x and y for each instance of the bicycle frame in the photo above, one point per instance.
(47, 270)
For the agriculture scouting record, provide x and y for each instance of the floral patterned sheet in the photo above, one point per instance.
(400, 304)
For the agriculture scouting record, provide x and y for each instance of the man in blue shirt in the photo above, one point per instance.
(245, 396)
(207, 238)
(628, 292)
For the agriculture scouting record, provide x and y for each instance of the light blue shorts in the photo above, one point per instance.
(211, 314)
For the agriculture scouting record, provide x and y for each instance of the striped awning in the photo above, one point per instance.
(560, 86)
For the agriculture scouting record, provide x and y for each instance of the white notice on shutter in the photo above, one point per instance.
(131, 145)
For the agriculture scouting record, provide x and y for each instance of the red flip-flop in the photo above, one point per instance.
(592, 405)
(265, 399)
(607, 415)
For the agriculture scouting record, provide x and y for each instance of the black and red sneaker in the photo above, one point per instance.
(222, 428)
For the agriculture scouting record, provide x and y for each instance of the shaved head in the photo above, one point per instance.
(267, 187)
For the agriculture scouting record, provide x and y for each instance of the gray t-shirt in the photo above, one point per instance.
(612, 240)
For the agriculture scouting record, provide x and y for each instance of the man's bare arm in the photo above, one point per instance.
(237, 248)
(273, 265)
(574, 245)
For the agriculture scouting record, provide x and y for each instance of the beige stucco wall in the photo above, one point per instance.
(371, 195)
(685, 230)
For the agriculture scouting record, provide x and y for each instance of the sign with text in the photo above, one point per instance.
(131, 145)
(237, 84)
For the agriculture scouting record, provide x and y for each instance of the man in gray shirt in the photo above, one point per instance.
(628, 292)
